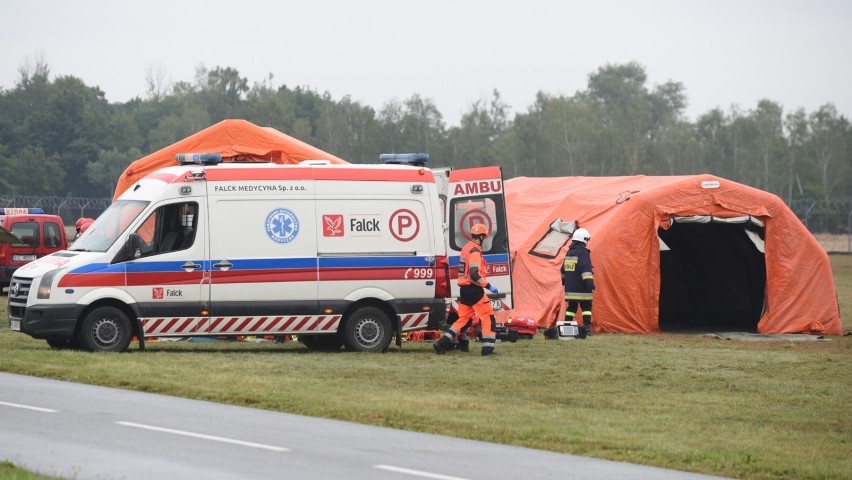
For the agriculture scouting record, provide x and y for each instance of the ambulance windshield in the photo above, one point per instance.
(109, 226)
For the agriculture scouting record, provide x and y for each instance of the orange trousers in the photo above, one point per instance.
(483, 310)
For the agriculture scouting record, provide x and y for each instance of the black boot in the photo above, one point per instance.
(551, 333)
(464, 344)
(486, 351)
(442, 345)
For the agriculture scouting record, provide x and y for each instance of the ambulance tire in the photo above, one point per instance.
(368, 329)
(106, 329)
(325, 343)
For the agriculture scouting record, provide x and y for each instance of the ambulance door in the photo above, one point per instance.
(263, 262)
(475, 195)
(168, 280)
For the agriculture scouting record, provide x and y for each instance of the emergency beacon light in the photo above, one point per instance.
(21, 211)
(199, 158)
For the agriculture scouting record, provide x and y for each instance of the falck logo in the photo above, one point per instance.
(332, 225)
(13, 290)
(282, 225)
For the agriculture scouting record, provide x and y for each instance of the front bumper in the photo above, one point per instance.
(54, 321)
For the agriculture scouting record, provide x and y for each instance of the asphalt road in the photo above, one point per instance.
(77, 431)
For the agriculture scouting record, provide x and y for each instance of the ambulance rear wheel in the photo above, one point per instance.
(368, 330)
(106, 329)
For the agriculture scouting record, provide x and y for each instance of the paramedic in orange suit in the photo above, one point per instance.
(473, 299)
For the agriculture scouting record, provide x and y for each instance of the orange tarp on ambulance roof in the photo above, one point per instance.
(623, 215)
(235, 140)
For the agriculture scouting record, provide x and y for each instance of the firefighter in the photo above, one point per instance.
(578, 279)
(472, 299)
(83, 223)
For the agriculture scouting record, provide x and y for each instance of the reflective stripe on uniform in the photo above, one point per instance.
(578, 296)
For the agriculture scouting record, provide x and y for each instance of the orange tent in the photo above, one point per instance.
(235, 140)
(679, 253)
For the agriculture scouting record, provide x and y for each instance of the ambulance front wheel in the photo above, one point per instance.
(368, 330)
(106, 329)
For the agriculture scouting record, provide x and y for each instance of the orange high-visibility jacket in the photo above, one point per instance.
(472, 266)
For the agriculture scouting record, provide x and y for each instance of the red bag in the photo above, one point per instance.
(526, 327)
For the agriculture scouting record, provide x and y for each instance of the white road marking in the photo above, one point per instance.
(28, 407)
(206, 437)
(416, 473)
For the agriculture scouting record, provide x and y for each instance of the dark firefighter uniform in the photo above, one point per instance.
(579, 283)
(472, 282)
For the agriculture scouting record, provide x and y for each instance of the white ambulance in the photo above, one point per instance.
(340, 255)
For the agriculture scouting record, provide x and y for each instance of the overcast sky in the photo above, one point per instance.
(456, 52)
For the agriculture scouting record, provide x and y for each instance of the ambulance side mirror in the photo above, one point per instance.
(135, 241)
(131, 250)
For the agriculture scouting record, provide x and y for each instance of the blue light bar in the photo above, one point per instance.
(21, 211)
(416, 159)
(199, 158)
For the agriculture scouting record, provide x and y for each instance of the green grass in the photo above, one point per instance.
(8, 471)
(751, 410)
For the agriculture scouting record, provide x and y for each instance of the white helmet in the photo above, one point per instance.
(581, 235)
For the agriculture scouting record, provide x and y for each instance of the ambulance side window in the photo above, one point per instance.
(169, 228)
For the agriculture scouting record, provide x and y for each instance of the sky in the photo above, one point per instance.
(727, 53)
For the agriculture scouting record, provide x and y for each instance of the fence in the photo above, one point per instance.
(829, 221)
(69, 208)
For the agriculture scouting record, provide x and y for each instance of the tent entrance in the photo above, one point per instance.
(712, 274)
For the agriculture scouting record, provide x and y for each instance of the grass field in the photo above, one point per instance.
(752, 410)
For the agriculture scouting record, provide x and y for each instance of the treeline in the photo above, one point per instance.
(59, 136)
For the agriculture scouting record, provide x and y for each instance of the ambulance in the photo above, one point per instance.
(339, 255)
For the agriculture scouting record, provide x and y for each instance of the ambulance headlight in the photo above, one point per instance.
(46, 284)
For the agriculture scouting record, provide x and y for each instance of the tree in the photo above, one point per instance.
(671, 135)
(348, 130)
(771, 144)
(222, 91)
(107, 169)
(830, 147)
(796, 126)
(414, 125)
(32, 172)
(156, 85)
(569, 129)
(713, 135)
(624, 106)
(482, 131)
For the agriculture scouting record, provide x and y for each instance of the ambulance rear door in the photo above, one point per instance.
(475, 195)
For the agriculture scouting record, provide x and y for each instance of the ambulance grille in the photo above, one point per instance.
(19, 289)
